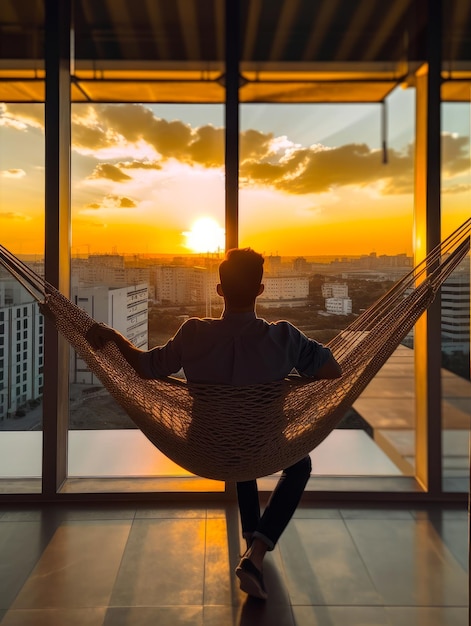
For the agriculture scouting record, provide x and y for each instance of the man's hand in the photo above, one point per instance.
(98, 335)
(45, 310)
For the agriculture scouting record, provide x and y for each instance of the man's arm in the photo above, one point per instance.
(99, 335)
(330, 369)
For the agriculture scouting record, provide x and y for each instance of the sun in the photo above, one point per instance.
(205, 236)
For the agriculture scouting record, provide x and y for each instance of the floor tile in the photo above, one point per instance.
(21, 546)
(154, 616)
(78, 567)
(157, 512)
(408, 563)
(322, 565)
(428, 616)
(454, 533)
(219, 580)
(373, 513)
(340, 616)
(55, 617)
(434, 513)
(69, 513)
(313, 512)
(252, 612)
(163, 564)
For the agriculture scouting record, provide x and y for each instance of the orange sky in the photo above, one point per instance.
(141, 180)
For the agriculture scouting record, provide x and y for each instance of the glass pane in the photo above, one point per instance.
(456, 383)
(148, 189)
(332, 212)
(21, 325)
(22, 234)
(148, 210)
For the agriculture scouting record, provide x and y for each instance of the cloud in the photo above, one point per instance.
(139, 165)
(112, 201)
(109, 132)
(20, 116)
(10, 215)
(110, 172)
(319, 169)
(13, 173)
(455, 154)
(454, 189)
(126, 203)
(105, 126)
(254, 144)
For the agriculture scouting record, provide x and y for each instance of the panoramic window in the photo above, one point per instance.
(147, 236)
(455, 299)
(331, 207)
(21, 324)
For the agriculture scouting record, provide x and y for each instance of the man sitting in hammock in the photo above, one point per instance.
(239, 349)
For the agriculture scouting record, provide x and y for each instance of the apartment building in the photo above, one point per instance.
(21, 349)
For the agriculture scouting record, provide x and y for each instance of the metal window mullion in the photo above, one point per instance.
(57, 237)
(232, 123)
(427, 218)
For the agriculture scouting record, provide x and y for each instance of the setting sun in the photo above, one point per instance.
(205, 236)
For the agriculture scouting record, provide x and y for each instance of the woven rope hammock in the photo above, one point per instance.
(239, 433)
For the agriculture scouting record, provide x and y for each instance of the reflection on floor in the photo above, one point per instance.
(173, 565)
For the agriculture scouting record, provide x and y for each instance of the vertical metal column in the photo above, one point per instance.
(427, 343)
(232, 124)
(57, 237)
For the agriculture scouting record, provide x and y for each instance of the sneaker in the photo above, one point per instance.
(251, 579)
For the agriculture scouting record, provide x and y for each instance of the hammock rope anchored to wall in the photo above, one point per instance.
(239, 433)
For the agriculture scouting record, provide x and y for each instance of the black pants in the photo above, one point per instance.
(280, 507)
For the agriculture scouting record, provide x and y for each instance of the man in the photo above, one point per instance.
(239, 349)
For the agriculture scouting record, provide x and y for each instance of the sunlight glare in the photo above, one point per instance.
(205, 236)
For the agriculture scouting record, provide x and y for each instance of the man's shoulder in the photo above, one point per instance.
(195, 323)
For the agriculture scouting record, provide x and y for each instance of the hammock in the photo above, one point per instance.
(240, 433)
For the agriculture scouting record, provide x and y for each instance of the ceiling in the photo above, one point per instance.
(290, 50)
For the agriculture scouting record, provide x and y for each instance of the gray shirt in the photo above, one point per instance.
(236, 349)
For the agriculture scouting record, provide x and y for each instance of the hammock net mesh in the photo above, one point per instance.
(239, 433)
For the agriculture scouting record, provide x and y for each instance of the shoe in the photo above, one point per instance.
(251, 579)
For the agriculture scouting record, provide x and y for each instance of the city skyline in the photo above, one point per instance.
(312, 177)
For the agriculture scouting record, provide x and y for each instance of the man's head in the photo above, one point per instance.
(241, 276)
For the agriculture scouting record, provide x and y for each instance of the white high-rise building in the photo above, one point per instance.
(21, 349)
(455, 296)
(125, 309)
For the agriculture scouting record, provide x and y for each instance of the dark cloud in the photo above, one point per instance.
(139, 165)
(263, 160)
(207, 146)
(455, 154)
(29, 113)
(112, 201)
(90, 137)
(254, 144)
(126, 203)
(110, 172)
(319, 169)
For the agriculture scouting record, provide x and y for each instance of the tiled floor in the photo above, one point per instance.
(152, 564)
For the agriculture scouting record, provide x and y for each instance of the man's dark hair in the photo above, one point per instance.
(241, 275)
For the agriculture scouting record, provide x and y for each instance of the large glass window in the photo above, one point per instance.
(331, 207)
(21, 324)
(147, 233)
(455, 300)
